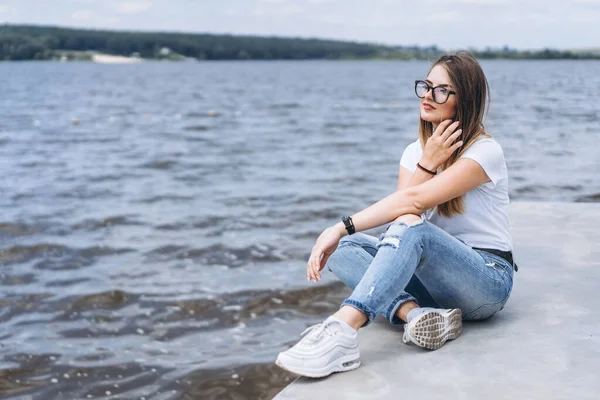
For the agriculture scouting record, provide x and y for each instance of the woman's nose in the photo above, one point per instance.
(429, 94)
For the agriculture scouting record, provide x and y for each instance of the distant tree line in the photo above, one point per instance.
(32, 42)
(543, 54)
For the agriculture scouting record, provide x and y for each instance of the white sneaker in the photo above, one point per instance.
(433, 328)
(329, 347)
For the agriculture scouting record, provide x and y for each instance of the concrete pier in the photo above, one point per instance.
(545, 344)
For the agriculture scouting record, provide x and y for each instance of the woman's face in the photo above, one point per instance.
(432, 111)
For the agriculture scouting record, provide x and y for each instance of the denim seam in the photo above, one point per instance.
(486, 305)
(496, 258)
(467, 261)
(393, 308)
(507, 281)
(362, 308)
(502, 302)
(370, 313)
(506, 267)
(414, 243)
(506, 271)
(354, 244)
(367, 257)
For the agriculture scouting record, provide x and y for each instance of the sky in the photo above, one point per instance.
(449, 24)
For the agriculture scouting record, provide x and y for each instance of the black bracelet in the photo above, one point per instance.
(426, 170)
(348, 224)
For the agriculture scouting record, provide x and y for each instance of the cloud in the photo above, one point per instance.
(447, 23)
(479, 2)
(279, 9)
(134, 7)
(113, 21)
(81, 15)
(6, 9)
(368, 21)
(443, 17)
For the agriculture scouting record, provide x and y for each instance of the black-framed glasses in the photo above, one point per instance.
(440, 94)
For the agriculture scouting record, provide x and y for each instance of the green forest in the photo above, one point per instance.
(32, 42)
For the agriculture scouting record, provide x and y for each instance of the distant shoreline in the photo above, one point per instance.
(127, 61)
(113, 59)
(33, 42)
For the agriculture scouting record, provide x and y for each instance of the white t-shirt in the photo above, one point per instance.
(484, 222)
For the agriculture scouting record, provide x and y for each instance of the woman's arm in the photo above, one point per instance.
(437, 149)
(463, 176)
(408, 179)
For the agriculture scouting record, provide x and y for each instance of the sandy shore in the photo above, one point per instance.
(110, 59)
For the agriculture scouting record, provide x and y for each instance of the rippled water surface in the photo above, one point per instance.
(156, 218)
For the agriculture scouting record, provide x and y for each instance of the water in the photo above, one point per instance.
(156, 218)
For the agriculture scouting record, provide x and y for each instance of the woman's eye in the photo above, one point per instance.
(441, 90)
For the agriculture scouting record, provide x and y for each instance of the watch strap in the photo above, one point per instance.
(348, 224)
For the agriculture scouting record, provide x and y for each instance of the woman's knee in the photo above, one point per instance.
(402, 229)
(410, 219)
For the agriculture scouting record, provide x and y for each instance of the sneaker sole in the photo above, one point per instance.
(433, 329)
(346, 363)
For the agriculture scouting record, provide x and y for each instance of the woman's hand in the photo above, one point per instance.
(439, 146)
(326, 244)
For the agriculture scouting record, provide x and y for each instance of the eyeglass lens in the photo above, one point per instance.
(440, 94)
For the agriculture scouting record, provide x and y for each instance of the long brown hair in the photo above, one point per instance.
(472, 93)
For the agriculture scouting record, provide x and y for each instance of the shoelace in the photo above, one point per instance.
(405, 337)
(318, 330)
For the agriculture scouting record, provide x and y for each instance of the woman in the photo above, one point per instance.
(447, 254)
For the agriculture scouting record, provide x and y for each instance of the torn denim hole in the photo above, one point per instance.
(391, 237)
(389, 240)
(371, 291)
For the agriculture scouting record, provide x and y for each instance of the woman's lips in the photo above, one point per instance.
(428, 107)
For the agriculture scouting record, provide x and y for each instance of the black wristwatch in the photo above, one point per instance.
(348, 224)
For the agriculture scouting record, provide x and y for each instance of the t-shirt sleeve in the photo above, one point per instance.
(490, 156)
(410, 156)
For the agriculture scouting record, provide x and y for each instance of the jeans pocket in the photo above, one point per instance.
(500, 268)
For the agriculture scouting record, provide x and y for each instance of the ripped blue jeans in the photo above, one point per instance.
(421, 263)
